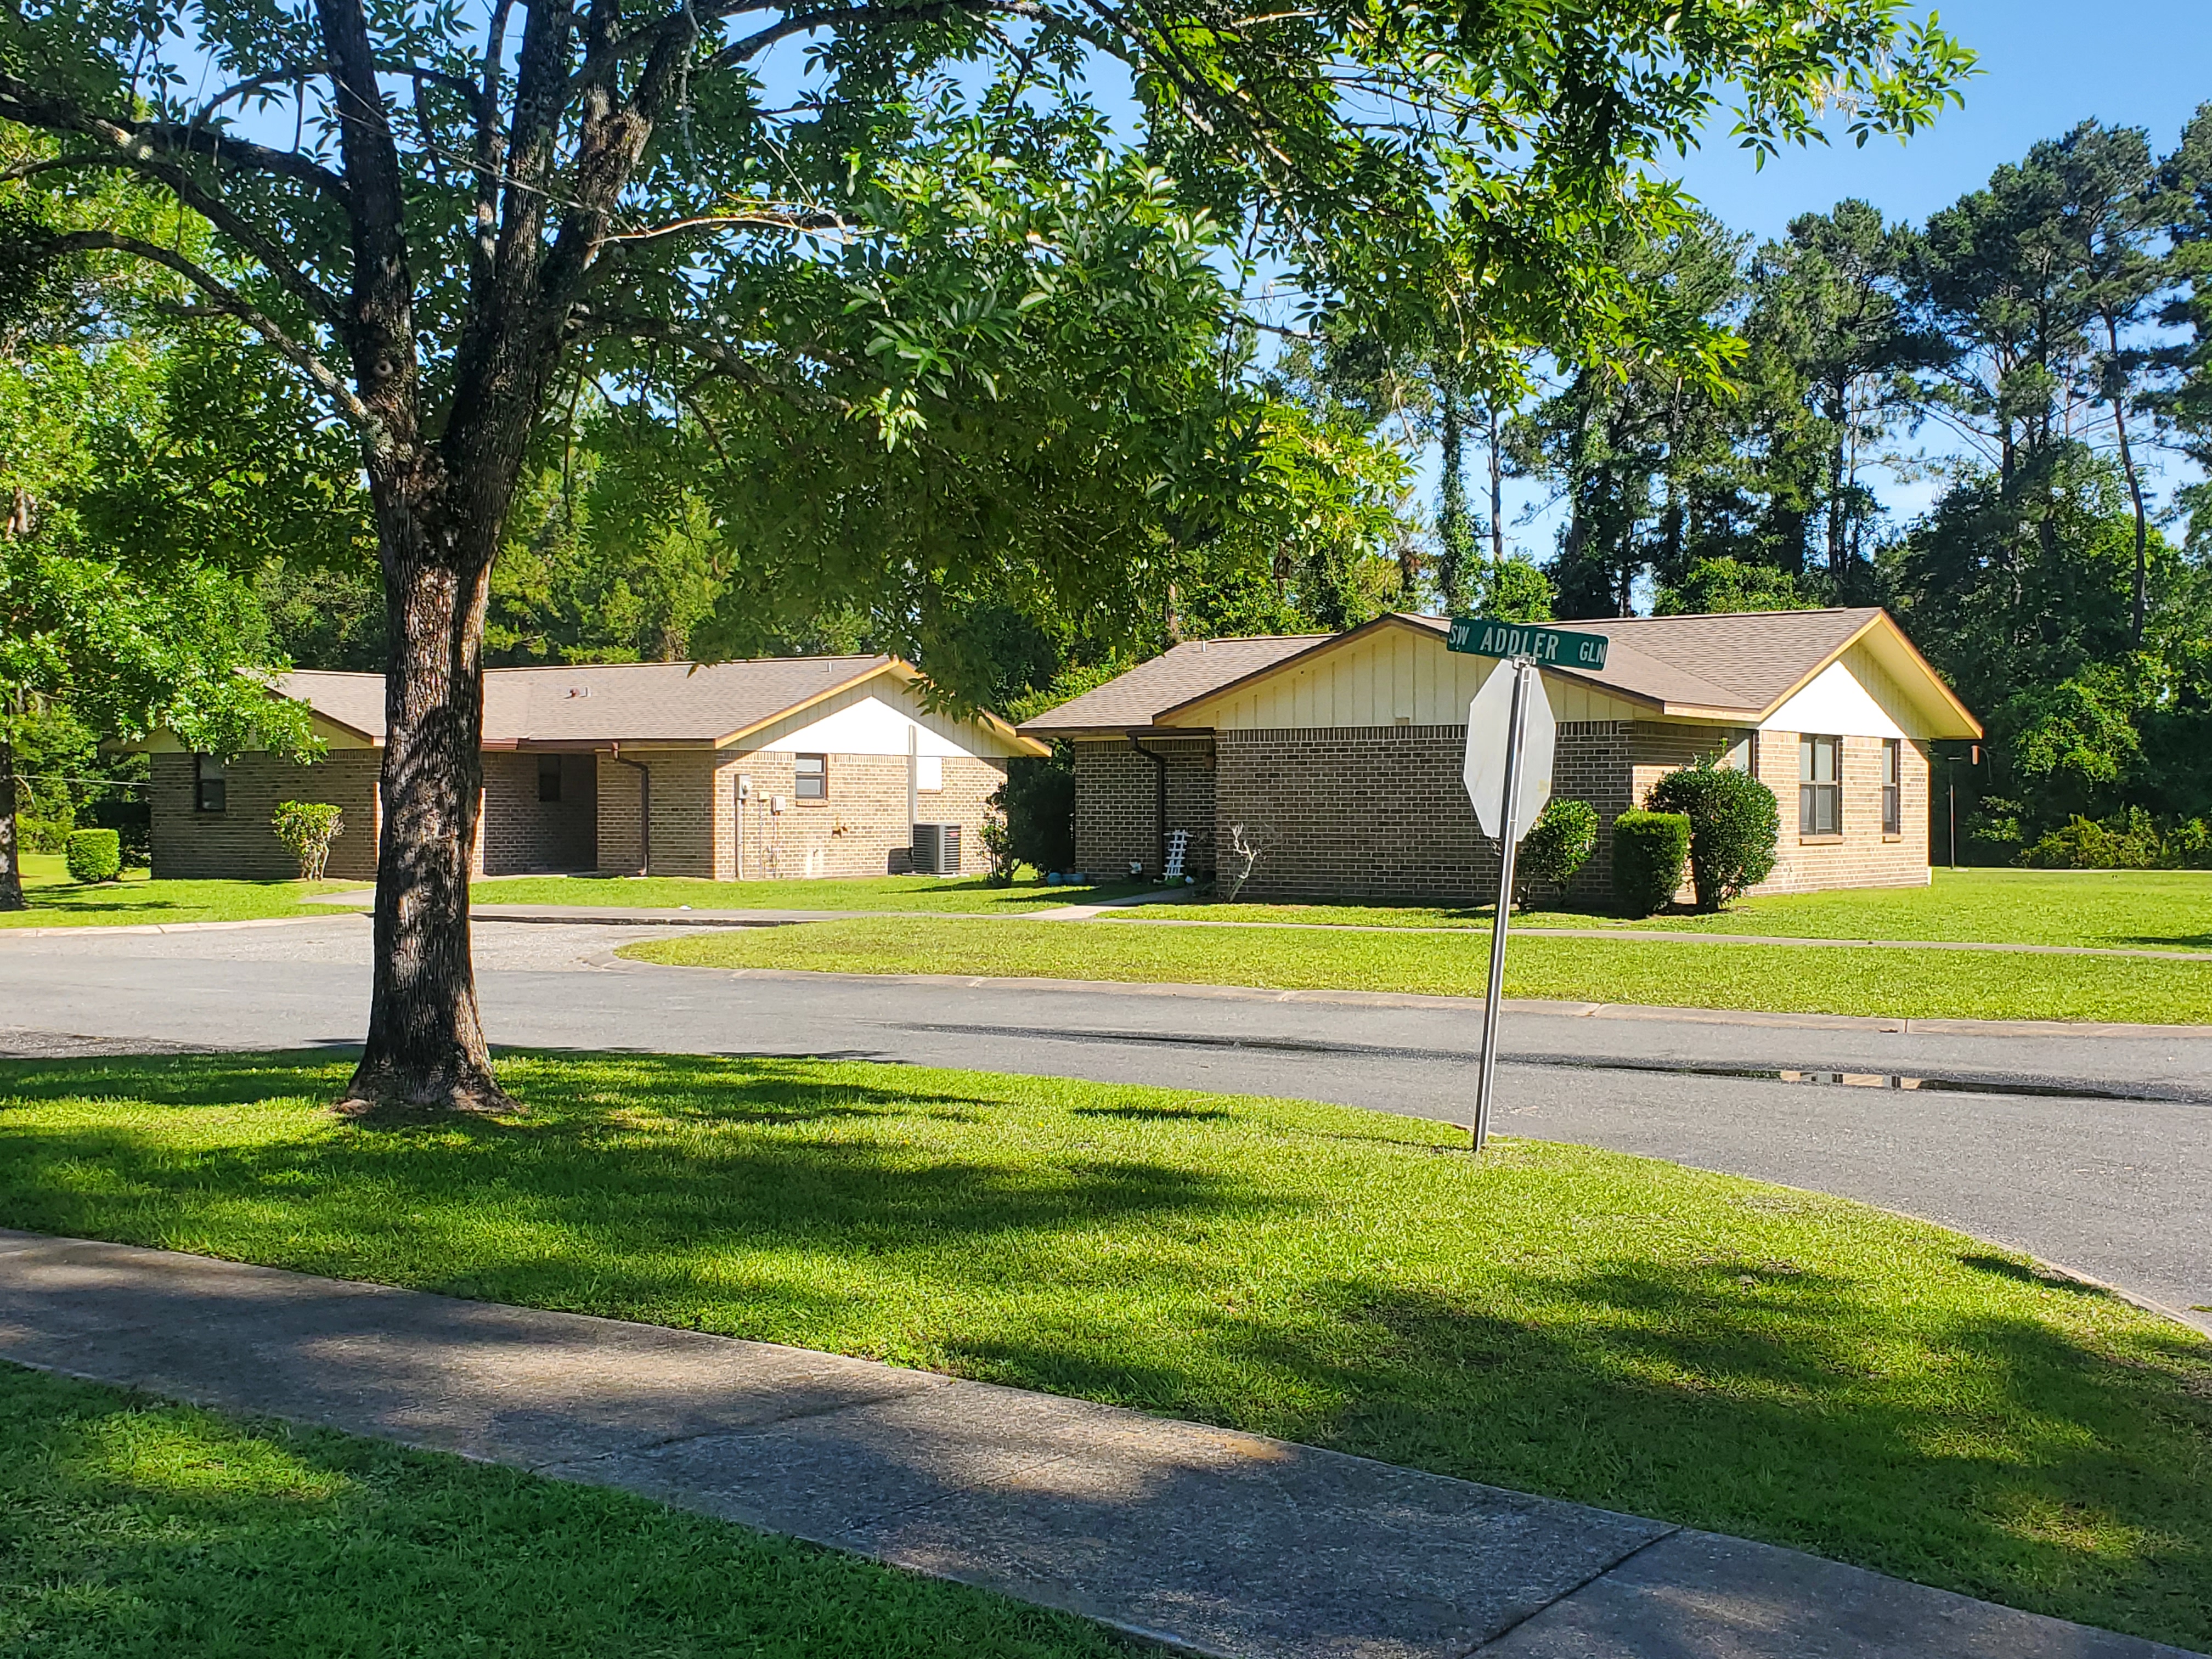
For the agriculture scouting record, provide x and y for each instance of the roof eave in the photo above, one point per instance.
(1886, 624)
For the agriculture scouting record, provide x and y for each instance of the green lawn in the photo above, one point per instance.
(135, 1530)
(58, 902)
(2157, 910)
(1776, 978)
(1556, 1319)
(956, 894)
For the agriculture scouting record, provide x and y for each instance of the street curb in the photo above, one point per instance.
(100, 930)
(1510, 1004)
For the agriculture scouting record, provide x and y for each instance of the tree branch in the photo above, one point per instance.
(231, 303)
(23, 103)
(765, 219)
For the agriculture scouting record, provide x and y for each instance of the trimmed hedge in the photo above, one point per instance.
(1559, 844)
(94, 855)
(1648, 852)
(1734, 827)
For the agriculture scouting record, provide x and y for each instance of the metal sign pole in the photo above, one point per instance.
(1509, 840)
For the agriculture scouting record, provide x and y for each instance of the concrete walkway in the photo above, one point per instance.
(1213, 1541)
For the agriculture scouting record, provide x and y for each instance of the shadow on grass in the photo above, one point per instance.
(131, 1524)
(1942, 1427)
(2024, 1273)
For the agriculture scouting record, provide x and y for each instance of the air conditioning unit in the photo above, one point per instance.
(937, 849)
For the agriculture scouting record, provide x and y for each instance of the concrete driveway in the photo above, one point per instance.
(2094, 1152)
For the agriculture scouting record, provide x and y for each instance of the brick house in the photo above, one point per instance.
(1338, 756)
(805, 767)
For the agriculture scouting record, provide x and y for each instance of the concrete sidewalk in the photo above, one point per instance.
(1210, 1540)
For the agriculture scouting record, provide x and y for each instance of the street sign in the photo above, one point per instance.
(1554, 648)
(1489, 726)
(1509, 737)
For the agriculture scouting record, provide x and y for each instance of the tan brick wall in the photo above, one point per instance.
(1117, 804)
(238, 843)
(1864, 856)
(1591, 762)
(696, 828)
(517, 833)
(855, 830)
(1382, 812)
(1362, 813)
(615, 812)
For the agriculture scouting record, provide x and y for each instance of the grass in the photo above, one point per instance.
(134, 1530)
(955, 894)
(1776, 978)
(1561, 1320)
(2136, 910)
(58, 902)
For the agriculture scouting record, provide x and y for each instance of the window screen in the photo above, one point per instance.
(549, 777)
(1820, 786)
(1892, 787)
(810, 777)
(210, 784)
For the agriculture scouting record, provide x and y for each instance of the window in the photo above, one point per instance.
(929, 772)
(1741, 754)
(1820, 786)
(810, 778)
(1893, 786)
(210, 784)
(549, 777)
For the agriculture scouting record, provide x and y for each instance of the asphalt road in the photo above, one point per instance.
(2094, 1152)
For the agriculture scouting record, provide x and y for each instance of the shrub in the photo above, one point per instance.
(1734, 827)
(2128, 841)
(998, 841)
(94, 855)
(307, 828)
(1040, 807)
(131, 817)
(1558, 843)
(42, 834)
(1648, 852)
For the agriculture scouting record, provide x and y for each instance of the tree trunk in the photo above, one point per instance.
(1496, 493)
(425, 1050)
(2118, 395)
(1455, 536)
(1838, 419)
(11, 873)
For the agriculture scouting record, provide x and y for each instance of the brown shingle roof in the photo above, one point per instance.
(1735, 661)
(612, 702)
(1178, 675)
(1729, 665)
(354, 700)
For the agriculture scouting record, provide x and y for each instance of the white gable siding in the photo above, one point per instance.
(1850, 698)
(1393, 675)
(874, 719)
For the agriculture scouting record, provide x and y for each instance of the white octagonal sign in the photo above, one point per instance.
(1487, 718)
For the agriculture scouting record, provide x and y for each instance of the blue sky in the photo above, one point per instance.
(2044, 67)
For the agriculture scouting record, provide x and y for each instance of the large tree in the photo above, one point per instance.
(1833, 342)
(434, 214)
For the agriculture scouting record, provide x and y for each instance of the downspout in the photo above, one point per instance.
(1159, 802)
(644, 809)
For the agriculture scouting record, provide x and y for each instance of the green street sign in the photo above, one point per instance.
(1554, 648)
